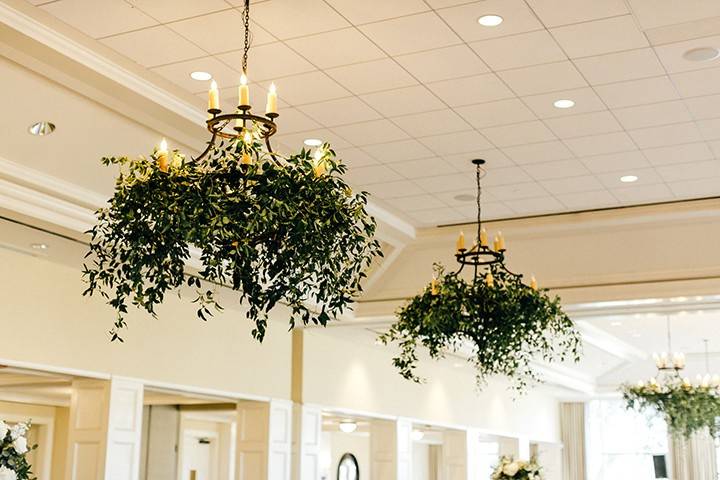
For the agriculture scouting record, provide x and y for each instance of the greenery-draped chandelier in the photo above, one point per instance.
(274, 229)
(502, 323)
(687, 407)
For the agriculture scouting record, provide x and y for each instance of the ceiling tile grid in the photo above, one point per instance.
(409, 90)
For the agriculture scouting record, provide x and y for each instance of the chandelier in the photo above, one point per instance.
(502, 323)
(686, 406)
(275, 229)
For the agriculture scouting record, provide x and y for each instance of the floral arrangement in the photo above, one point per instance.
(508, 469)
(13, 449)
(272, 229)
(686, 407)
(505, 322)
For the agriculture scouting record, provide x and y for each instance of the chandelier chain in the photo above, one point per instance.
(479, 174)
(669, 335)
(246, 21)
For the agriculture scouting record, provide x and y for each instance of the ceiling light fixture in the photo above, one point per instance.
(490, 20)
(348, 426)
(629, 178)
(313, 142)
(563, 103)
(41, 128)
(701, 54)
(417, 435)
(464, 197)
(39, 246)
(200, 76)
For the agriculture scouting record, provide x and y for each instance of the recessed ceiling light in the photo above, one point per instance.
(417, 435)
(201, 76)
(348, 426)
(701, 54)
(41, 128)
(465, 197)
(39, 246)
(490, 20)
(564, 103)
(313, 142)
(629, 178)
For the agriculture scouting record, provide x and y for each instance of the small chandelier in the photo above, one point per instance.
(504, 322)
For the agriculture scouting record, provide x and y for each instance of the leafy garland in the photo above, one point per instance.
(273, 229)
(686, 408)
(13, 449)
(509, 469)
(507, 323)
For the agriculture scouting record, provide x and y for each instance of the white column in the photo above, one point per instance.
(455, 455)
(307, 438)
(263, 440)
(391, 450)
(473, 453)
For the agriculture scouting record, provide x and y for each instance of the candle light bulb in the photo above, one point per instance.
(496, 244)
(244, 91)
(162, 156)
(433, 286)
(533, 283)
(460, 242)
(246, 159)
(483, 238)
(213, 96)
(489, 280)
(640, 384)
(501, 241)
(271, 106)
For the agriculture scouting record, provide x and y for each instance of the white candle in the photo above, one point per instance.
(483, 238)
(213, 97)
(244, 91)
(533, 283)
(162, 155)
(460, 244)
(271, 106)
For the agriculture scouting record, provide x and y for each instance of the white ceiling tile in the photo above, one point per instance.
(431, 123)
(637, 92)
(519, 133)
(374, 10)
(562, 12)
(355, 157)
(436, 216)
(340, 112)
(620, 67)
(490, 211)
(423, 168)
(709, 129)
(646, 176)
(615, 162)
(493, 157)
(533, 206)
(690, 171)
(706, 187)
(702, 108)
(556, 169)
(585, 101)
(295, 18)
(600, 37)
(666, 135)
(179, 74)
(504, 176)
(171, 10)
(470, 90)
(584, 124)
(517, 18)
(643, 193)
(600, 144)
(467, 142)
(397, 189)
(523, 50)
(496, 113)
(689, 152)
(538, 152)
(336, 48)
(374, 76)
(418, 202)
(100, 18)
(447, 183)
(672, 55)
(292, 121)
(515, 191)
(268, 62)
(705, 27)
(587, 200)
(552, 77)
(153, 46)
(309, 88)
(584, 183)
(697, 83)
(410, 34)
(295, 141)
(371, 174)
(715, 147)
(653, 115)
(203, 31)
(398, 151)
(443, 63)
(657, 13)
(367, 133)
(404, 101)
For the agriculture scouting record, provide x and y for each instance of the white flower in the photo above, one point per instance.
(3, 430)
(511, 469)
(18, 430)
(7, 474)
(20, 445)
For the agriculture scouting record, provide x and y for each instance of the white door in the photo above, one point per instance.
(200, 455)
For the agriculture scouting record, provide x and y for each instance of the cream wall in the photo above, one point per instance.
(357, 375)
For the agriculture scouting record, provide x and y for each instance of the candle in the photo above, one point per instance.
(483, 238)
(433, 286)
(533, 283)
(162, 155)
(496, 244)
(501, 241)
(489, 280)
(640, 384)
(319, 168)
(715, 380)
(244, 91)
(213, 97)
(246, 159)
(461, 241)
(653, 382)
(706, 381)
(686, 382)
(271, 106)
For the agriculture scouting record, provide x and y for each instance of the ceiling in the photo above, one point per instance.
(408, 91)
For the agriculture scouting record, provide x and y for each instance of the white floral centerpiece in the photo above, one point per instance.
(13, 449)
(508, 469)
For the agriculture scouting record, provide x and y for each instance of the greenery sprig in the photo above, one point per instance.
(686, 408)
(506, 325)
(272, 229)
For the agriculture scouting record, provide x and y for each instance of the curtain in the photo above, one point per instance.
(693, 458)
(572, 433)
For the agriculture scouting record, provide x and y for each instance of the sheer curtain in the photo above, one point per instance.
(572, 431)
(694, 458)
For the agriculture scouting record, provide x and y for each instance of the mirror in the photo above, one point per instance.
(348, 468)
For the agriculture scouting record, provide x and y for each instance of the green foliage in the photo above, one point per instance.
(11, 457)
(686, 408)
(509, 469)
(277, 230)
(507, 325)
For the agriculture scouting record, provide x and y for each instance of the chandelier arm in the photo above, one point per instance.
(210, 145)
